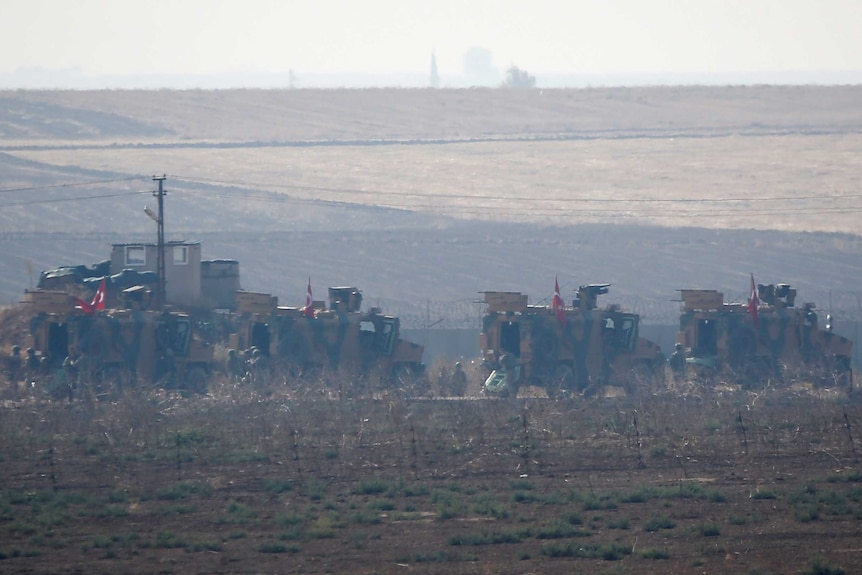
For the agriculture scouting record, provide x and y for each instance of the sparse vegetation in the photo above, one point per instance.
(582, 495)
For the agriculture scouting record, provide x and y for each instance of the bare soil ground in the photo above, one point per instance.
(306, 480)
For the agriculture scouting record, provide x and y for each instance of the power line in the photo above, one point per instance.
(472, 209)
(569, 199)
(76, 184)
(77, 199)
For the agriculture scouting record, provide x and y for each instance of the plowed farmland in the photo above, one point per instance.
(254, 481)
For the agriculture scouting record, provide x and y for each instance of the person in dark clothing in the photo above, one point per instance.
(677, 363)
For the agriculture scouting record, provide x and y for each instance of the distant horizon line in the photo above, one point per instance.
(72, 79)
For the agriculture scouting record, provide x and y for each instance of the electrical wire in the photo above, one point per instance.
(76, 199)
(72, 185)
(378, 193)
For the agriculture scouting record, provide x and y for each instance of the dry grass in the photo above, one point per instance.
(808, 181)
(222, 483)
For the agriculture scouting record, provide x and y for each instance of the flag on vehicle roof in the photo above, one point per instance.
(98, 301)
(558, 304)
(753, 302)
(308, 310)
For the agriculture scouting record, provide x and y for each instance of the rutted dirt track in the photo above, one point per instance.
(250, 482)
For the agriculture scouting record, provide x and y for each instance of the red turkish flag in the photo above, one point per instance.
(97, 303)
(308, 310)
(558, 304)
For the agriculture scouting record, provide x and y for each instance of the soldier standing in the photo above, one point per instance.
(70, 367)
(234, 366)
(33, 364)
(677, 363)
(458, 382)
(509, 364)
(259, 368)
(14, 363)
(84, 374)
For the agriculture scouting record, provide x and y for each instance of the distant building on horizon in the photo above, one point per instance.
(434, 80)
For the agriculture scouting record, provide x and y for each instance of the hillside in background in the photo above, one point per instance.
(423, 198)
(266, 116)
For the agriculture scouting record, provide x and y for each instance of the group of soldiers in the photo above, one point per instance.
(247, 366)
(22, 368)
(453, 384)
(33, 369)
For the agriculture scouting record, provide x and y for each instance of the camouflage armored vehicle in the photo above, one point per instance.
(567, 349)
(119, 345)
(765, 339)
(341, 336)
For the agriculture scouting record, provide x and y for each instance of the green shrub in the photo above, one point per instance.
(277, 485)
(288, 519)
(764, 495)
(372, 487)
(658, 522)
(708, 530)
(640, 495)
(806, 514)
(619, 523)
(653, 553)
(555, 529)
(381, 505)
(609, 552)
(851, 477)
(818, 567)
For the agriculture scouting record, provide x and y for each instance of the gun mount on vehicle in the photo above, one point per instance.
(567, 349)
(340, 336)
(750, 343)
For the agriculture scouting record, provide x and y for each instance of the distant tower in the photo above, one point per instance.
(434, 80)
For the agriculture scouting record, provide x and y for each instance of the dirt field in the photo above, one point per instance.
(240, 481)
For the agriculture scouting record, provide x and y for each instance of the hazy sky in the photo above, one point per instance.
(100, 37)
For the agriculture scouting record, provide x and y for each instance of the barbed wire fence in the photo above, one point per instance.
(844, 307)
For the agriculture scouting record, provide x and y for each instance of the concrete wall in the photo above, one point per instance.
(182, 280)
(219, 283)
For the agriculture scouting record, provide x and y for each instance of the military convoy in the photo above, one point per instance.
(567, 349)
(341, 336)
(766, 339)
(561, 348)
(131, 343)
(118, 345)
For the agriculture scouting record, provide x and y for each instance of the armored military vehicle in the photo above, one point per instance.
(564, 349)
(765, 339)
(119, 345)
(340, 336)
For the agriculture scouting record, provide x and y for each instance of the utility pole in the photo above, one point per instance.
(160, 243)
